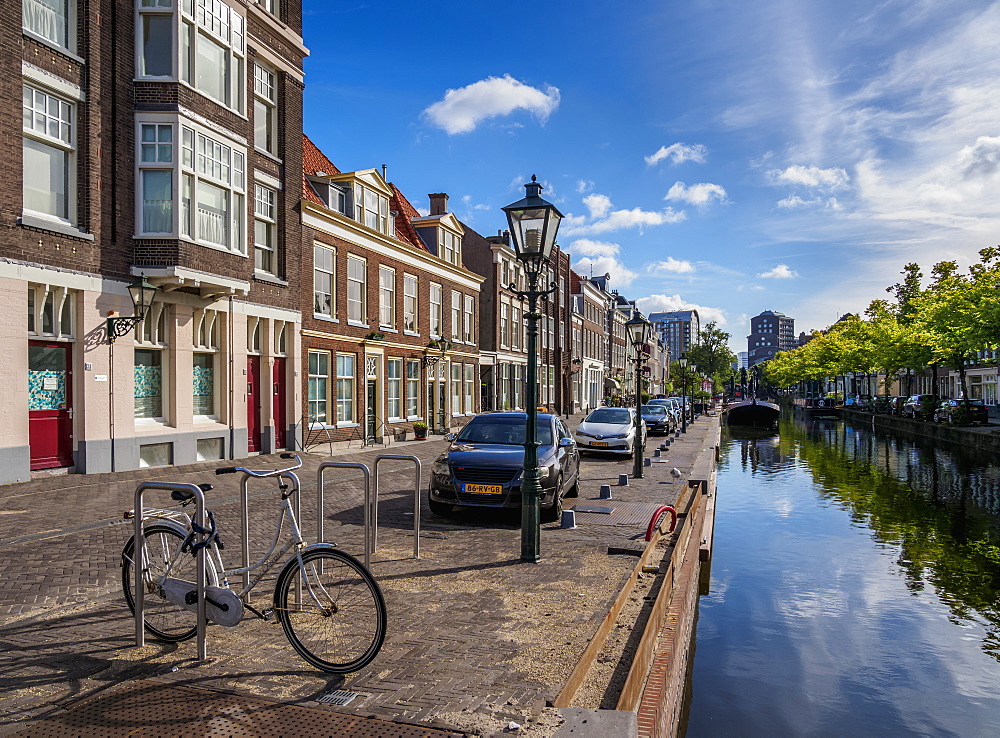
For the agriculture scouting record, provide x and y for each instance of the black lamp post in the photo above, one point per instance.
(683, 361)
(533, 226)
(638, 332)
(142, 294)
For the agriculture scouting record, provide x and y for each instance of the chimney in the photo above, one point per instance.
(439, 203)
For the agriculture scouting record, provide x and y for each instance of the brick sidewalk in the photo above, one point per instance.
(473, 634)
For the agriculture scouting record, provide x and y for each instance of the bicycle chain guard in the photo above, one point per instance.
(222, 605)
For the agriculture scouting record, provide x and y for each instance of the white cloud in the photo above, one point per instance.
(794, 201)
(779, 272)
(982, 159)
(621, 276)
(672, 265)
(619, 220)
(696, 194)
(598, 205)
(584, 185)
(678, 153)
(462, 110)
(586, 247)
(670, 303)
(811, 176)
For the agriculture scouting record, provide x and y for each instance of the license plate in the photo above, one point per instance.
(602, 444)
(484, 489)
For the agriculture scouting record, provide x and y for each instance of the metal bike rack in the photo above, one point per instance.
(245, 515)
(367, 504)
(416, 502)
(138, 561)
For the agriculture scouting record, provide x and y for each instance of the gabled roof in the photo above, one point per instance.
(314, 160)
(404, 213)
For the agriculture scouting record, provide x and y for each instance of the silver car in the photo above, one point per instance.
(609, 430)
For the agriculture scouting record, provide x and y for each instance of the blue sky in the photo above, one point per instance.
(728, 156)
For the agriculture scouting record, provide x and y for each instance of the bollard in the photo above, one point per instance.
(648, 462)
(568, 519)
(623, 480)
(605, 491)
(656, 453)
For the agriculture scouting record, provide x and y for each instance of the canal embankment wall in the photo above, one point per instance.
(984, 438)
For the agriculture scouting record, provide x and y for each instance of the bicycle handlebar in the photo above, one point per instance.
(269, 473)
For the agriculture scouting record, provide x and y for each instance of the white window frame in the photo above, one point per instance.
(163, 10)
(357, 306)
(64, 140)
(387, 297)
(436, 314)
(456, 315)
(470, 406)
(266, 217)
(213, 21)
(394, 389)
(468, 322)
(51, 311)
(321, 272)
(346, 388)
(377, 217)
(207, 326)
(265, 91)
(456, 389)
(449, 246)
(411, 303)
(319, 409)
(413, 392)
(161, 149)
(63, 37)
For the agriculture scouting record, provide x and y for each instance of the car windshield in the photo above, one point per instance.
(654, 410)
(507, 431)
(609, 415)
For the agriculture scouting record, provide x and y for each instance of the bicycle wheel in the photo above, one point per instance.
(163, 619)
(331, 609)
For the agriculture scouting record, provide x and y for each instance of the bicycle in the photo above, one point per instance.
(330, 607)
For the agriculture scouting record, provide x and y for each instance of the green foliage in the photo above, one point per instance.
(711, 353)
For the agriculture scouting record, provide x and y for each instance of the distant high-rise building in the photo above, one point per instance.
(678, 329)
(742, 359)
(770, 332)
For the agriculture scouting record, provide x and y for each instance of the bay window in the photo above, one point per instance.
(212, 50)
(48, 19)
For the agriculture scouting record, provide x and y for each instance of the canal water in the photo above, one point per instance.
(854, 589)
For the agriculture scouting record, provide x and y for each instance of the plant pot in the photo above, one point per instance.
(420, 434)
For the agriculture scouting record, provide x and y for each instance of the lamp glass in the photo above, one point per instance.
(683, 361)
(534, 223)
(142, 293)
(638, 331)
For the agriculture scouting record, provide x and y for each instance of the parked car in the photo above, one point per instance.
(608, 430)
(483, 466)
(896, 404)
(658, 419)
(952, 411)
(920, 407)
(882, 404)
(673, 407)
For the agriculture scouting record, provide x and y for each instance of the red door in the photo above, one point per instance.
(253, 403)
(50, 404)
(278, 399)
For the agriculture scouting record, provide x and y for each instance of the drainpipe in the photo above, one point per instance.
(232, 382)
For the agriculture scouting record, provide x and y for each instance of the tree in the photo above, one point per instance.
(711, 353)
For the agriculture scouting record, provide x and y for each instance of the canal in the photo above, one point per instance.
(854, 589)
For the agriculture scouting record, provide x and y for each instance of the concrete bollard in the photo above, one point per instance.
(568, 519)
(623, 480)
(656, 453)
(648, 462)
(605, 491)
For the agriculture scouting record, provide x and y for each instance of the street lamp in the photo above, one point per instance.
(533, 225)
(638, 333)
(142, 294)
(683, 361)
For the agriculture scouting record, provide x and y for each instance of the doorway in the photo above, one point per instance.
(253, 404)
(50, 404)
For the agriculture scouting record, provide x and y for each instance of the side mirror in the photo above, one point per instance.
(450, 436)
(564, 442)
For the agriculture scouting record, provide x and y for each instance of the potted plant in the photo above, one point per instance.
(420, 430)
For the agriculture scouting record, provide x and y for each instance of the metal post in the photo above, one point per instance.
(367, 503)
(638, 448)
(416, 501)
(684, 405)
(531, 487)
(139, 563)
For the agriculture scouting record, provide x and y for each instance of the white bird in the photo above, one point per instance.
(675, 473)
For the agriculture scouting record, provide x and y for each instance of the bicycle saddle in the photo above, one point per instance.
(182, 495)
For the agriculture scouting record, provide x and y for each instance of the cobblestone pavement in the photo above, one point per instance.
(474, 635)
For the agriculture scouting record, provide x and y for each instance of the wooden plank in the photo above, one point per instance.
(707, 528)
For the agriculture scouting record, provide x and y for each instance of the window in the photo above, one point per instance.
(470, 408)
(156, 177)
(203, 381)
(50, 311)
(456, 389)
(409, 303)
(319, 385)
(272, 6)
(394, 388)
(49, 19)
(48, 148)
(436, 308)
(456, 315)
(371, 208)
(356, 288)
(504, 324)
(265, 110)
(213, 183)
(212, 50)
(148, 384)
(323, 269)
(412, 388)
(467, 319)
(345, 388)
(156, 38)
(387, 297)
(265, 229)
(449, 246)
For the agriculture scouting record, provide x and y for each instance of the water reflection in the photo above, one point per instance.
(852, 589)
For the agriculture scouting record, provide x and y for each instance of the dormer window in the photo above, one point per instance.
(371, 208)
(449, 247)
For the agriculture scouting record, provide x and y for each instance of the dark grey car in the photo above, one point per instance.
(483, 466)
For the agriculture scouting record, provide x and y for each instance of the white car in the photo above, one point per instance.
(609, 430)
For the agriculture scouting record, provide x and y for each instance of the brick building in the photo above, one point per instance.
(155, 139)
(770, 332)
(390, 328)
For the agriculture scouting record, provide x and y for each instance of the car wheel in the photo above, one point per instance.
(440, 508)
(553, 512)
(574, 491)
